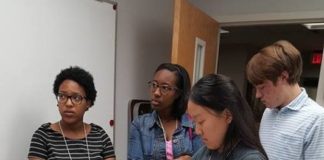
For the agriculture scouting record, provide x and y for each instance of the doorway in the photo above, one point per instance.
(242, 42)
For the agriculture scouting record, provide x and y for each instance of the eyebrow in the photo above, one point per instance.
(259, 85)
(195, 116)
(163, 83)
(70, 93)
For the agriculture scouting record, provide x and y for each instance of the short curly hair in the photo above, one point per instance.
(82, 77)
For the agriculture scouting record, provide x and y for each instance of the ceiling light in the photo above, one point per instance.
(314, 26)
(223, 31)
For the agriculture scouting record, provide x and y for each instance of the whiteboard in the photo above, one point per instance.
(38, 38)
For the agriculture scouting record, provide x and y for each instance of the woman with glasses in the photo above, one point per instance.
(70, 137)
(166, 133)
(224, 121)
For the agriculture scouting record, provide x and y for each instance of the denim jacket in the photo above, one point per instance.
(146, 140)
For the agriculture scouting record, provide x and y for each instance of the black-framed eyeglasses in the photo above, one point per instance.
(75, 99)
(164, 88)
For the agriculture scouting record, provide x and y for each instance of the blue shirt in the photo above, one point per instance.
(146, 140)
(296, 131)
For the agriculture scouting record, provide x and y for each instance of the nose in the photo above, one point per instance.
(157, 91)
(69, 102)
(198, 130)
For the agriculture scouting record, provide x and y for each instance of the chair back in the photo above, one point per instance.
(138, 107)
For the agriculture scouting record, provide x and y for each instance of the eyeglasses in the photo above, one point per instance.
(75, 99)
(164, 88)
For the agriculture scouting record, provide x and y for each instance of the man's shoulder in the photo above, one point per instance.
(313, 108)
(311, 102)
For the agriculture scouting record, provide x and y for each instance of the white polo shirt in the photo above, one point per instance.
(295, 132)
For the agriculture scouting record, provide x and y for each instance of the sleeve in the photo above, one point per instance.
(135, 151)
(314, 145)
(38, 145)
(108, 150)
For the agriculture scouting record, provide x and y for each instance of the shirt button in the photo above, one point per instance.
(175, 141)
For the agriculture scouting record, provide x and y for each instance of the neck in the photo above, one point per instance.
(168, 127)
(165, 116)
(292, 92)
(75, 127)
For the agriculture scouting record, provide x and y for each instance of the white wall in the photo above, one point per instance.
(232, 63)
(143, 42)
(38, 38)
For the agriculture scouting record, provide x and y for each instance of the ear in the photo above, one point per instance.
(228, 116)
(177, 95)
(88, 105)
(284, 75)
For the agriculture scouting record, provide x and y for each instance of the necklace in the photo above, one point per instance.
(67, 147)
(164, 133)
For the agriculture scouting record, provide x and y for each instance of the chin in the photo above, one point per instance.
(69, 120)
(212, 146)
(155, 107)
(271, 106)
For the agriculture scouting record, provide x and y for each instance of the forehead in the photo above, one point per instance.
(265, 83)
(71, 86)
(197, 111)
(165, 76)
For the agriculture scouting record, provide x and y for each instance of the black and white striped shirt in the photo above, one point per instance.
(49, 144)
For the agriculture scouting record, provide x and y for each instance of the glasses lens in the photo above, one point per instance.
(61, 98)
(165, 89)
(76, 99)
(152, 85)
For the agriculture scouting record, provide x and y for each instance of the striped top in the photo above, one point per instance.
(295, 132)
(49, 144)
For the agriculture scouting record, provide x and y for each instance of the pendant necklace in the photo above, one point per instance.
(164, 132)
(67, 147)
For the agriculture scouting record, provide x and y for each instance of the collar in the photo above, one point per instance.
(185, 120)
(299, 101)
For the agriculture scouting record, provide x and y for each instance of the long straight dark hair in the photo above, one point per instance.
(183, 84)
(218, 92)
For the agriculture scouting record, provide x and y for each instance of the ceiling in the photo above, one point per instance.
(262, 35)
